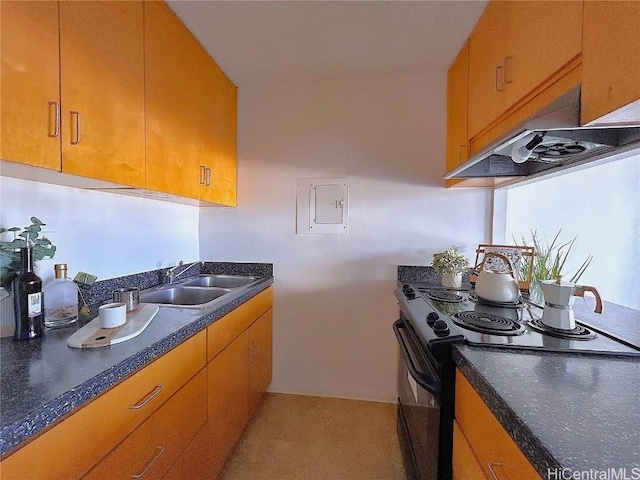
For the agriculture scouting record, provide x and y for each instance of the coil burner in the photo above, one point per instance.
(444, 296)
(489, 323)
(578, 333)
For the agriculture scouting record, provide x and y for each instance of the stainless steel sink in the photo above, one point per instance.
(221, 281)
(179, 296)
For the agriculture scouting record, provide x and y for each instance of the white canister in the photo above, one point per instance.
(112, 315)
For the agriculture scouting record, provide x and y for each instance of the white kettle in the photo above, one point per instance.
(559, 297)
(497, 286)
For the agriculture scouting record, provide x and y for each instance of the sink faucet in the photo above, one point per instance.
(172, 276)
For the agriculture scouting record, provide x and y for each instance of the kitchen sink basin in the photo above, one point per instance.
(182, 296)
(221, 281)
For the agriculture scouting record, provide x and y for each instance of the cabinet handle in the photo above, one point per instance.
(498, 68)
(208, 177)
(148, 398)
(462, 147)
(203, 173)
(493, 473)
(75, 113)
(159, 451)
(56, 119)
(504, 70)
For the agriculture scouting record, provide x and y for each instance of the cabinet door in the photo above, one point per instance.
(219, 119)
(174, 81)
(30, 89)
(487, 51)
(610, 60)
(228, 376)
(465, 463)
(457, 98)
(543, 37)
(102, 81)
(497, 453)
(156, 444)
(261, 358)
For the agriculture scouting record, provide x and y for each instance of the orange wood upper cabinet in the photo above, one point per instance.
(102, 80)
(191, 113)
(542, 38)
(509, 59)
(30, 84)
(497, 454)
(487, 51)
(457, 108)
(611, 62)
(260, 358)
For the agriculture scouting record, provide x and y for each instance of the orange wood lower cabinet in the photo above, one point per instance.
(151, 449)
(498, 455)
(465, 463)
(70, 448)
(238, 375)
(261, 358)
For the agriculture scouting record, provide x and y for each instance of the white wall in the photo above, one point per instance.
(599, 205)
(105, 234)
(334, 301)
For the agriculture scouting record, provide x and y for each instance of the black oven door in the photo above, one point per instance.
(419, 408)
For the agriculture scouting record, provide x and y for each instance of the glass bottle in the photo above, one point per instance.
(27, 299)
(60, 300)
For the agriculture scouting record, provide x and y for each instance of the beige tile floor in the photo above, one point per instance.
(294, 437)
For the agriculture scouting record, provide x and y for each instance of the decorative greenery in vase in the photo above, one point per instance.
(450, 261)
(549, 262)
(10, 249)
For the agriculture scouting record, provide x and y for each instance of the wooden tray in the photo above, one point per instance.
(93, 336)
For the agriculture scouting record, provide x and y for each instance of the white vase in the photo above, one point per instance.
(452, 280)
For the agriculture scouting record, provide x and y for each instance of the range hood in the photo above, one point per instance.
(550, 140)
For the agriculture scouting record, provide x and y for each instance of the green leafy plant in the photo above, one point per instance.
(10, 249)
(450, 261)
(550, 259)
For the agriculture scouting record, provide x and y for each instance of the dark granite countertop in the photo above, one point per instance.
(42, 380)
(564, 411)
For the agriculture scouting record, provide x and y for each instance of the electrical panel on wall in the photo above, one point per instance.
(322, 206)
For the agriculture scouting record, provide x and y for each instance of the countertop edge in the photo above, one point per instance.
(16, 434)
(542, 460)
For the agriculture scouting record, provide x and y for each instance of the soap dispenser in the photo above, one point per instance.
(60, 300)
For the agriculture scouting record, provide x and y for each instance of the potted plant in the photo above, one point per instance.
(549, 263)
(450, 264)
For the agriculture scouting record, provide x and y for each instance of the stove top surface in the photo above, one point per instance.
(478, 322)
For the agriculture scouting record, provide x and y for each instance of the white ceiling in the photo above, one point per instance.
(267, 42)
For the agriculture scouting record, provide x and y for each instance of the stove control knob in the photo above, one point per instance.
(432, 317)
(441, 328)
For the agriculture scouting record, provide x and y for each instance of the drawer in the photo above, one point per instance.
(228, 328)
(73, 446)
(497, 453)
(151, 449)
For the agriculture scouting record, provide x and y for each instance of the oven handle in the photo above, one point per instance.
(427, 380)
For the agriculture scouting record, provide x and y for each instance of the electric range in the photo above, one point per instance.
(441, 315)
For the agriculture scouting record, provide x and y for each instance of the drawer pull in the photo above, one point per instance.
(148, 398)
(203, 170)
(207, 177)
(159, 451)
(493, 473)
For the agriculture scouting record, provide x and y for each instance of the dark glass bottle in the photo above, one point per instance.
(27, 299)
